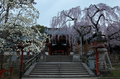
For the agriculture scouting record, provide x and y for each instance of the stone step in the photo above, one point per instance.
(64, 78)
(59, 73)
(55, 58)
(60, 67)
(51, 69)
(60, 64)
(35, 69)
(57, 76)
(67, 63)
(58, 60)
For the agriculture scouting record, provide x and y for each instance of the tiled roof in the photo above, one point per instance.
(56, 31)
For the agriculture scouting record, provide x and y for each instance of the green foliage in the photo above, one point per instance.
(116, 73)
(42, 28)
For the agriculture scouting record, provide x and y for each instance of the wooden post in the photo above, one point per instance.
(1, 58)
(49, 51)
(2, 73)
(28, 52)
(11, 71)
(97, 68)
(21, 67)
(18, 52)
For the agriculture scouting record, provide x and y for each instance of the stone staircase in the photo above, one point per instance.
(55, 58)
(57, 69)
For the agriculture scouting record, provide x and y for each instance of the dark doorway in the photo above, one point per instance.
(59, 48)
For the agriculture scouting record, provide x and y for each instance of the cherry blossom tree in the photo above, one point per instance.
(113, 34)
(94, 19)
(18, 12)
(25, 36)
(73, 21)
(30, 38)
(105, 19)
(37, 41)
(15, 16)
(16, 19)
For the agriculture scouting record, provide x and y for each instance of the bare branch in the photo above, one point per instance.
(99, 19)
(77, 31)
(69, 16)
(98, 10)
(90, 18)
(110, 36)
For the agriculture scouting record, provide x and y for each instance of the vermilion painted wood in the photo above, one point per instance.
(97, 68)
(2, 71)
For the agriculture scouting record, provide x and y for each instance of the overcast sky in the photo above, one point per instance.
(50, 8)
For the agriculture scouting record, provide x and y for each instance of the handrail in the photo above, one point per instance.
(26, 64)
(30, 60)
(86, 61)
(29, 63)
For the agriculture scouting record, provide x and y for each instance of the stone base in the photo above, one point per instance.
(76, 57)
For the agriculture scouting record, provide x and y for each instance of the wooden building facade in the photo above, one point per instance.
(58, 45)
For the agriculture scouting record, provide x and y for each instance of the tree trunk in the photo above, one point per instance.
(7, 13)
(1, 58)
(81, 45)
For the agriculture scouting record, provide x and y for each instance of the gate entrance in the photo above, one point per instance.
(59, 49)
(59, 52)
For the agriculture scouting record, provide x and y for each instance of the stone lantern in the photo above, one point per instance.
(100, 50)
(76, 55)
